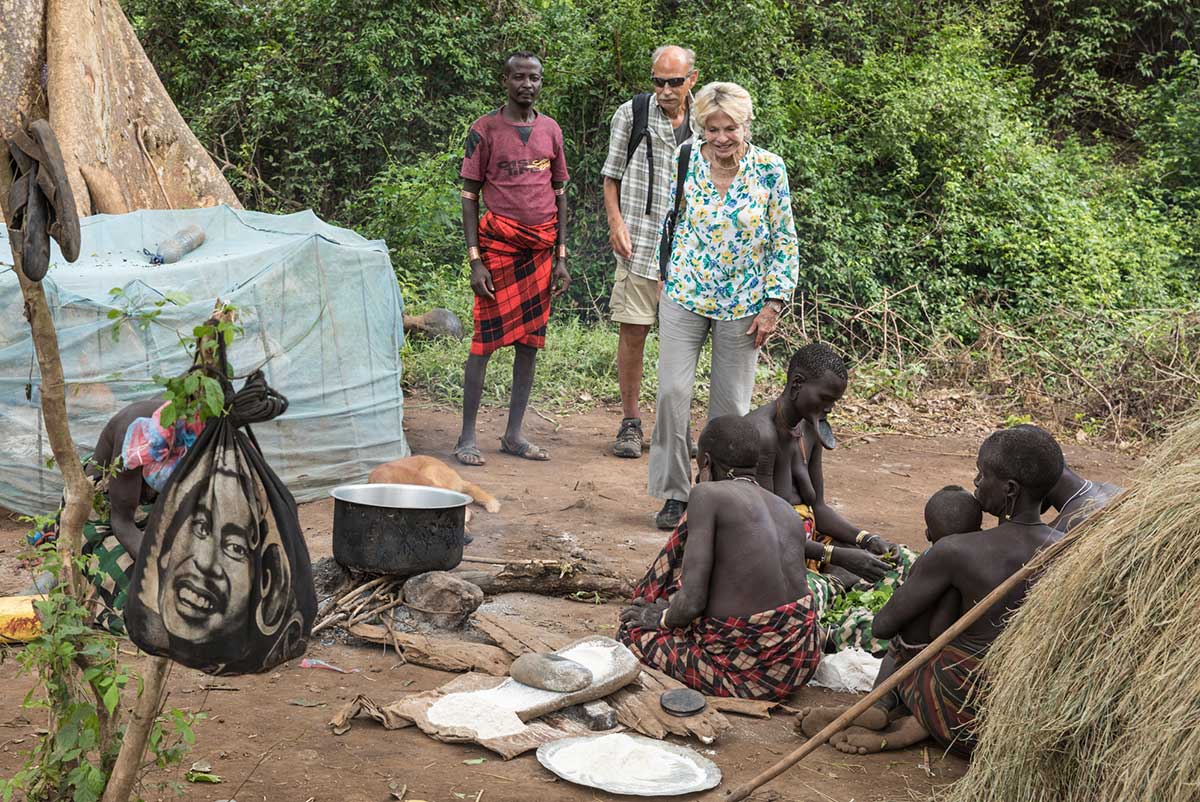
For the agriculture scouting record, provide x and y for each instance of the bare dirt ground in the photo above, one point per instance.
(267, 736)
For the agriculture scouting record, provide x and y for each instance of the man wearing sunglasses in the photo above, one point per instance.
(637, 178)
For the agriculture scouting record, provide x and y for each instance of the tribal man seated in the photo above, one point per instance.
(726, 608)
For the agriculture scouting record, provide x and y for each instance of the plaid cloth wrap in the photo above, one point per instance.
(765, 656)
(112, 569)
(941, 694)
(852, 629)
(520, 259)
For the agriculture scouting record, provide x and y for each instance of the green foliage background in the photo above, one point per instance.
(960, 155)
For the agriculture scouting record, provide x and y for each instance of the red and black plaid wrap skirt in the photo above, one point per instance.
(521, 260)
(765, 656)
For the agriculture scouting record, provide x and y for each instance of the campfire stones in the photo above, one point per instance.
(550, 672)
(441, 599)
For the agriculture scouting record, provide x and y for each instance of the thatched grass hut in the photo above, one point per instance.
(1094, 688)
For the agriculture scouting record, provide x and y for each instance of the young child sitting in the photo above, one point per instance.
(950, 511)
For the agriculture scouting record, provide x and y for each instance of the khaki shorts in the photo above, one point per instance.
(634, 299)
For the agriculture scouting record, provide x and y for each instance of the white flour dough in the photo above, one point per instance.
(638, 765)
(469, 712)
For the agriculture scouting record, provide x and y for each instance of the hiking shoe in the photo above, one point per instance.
(629, 439)
(668, 517)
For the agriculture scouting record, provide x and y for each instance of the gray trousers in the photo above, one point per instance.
(681, 335)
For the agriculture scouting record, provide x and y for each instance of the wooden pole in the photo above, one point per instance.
(52, 391)
(141, 720)
(921, 658)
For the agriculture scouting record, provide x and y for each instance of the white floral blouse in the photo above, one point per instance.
(731, 254)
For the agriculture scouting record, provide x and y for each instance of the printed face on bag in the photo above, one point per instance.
(208, 582)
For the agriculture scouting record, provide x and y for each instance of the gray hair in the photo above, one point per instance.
(723, 96)
(690, 55)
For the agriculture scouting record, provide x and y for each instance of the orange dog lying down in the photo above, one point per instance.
(431, 472)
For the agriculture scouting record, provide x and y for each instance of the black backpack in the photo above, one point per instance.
(640, 131)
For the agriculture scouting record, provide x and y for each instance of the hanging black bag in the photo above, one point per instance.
(223, 582)
(667, 240)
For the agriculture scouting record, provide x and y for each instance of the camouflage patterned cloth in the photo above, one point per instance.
(853, 628)
(764, 656)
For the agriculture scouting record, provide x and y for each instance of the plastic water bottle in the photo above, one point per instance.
(183, 242)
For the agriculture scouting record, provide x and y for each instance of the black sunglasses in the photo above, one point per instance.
(661, 82)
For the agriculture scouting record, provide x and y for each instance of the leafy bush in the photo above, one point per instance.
(1010, 157)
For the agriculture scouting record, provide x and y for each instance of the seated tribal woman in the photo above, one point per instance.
(793, 433)
(726, 608)
(1076, 499)
(1017, 468)
(133, 459)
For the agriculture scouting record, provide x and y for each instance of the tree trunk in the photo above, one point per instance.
(22, 53)
(54, 412)
(108, 107)
(129, 761)
(105, 102)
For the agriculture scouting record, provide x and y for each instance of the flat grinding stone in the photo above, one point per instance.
(682, 702)
(550, 672)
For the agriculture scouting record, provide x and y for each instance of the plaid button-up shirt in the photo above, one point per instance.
(644, 229)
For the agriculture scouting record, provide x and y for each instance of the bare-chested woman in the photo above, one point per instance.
(793, 433)
(1016, 469)
(726, 608)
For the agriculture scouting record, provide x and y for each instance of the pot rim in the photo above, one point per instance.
(435, 498)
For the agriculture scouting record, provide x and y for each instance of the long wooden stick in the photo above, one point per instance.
(902, 673)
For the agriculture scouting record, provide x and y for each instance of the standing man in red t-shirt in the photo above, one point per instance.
(518, 250)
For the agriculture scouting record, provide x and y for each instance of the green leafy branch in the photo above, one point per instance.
(140, 318)
(197, 395)
(79, 691)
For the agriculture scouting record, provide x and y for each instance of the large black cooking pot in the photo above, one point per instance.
(398, 529)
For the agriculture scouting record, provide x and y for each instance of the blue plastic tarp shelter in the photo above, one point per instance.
(322, 315)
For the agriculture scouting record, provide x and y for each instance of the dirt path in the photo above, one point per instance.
(266, 739)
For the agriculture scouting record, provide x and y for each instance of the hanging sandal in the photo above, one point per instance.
(63, 217)
(470, 456)
(525, 451)
(40, 199)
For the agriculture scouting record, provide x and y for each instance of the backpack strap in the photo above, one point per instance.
(672, 218)
(641, 124)
(685, 159)
(639, 131)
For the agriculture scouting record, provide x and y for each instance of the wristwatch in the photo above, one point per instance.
(775, 304)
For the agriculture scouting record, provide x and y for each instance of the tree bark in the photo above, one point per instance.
(22, 53)
(109, 108)
(145, 710)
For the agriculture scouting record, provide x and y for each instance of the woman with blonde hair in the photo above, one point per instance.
(732, 270)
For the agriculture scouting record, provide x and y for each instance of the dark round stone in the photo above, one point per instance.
(682, 702)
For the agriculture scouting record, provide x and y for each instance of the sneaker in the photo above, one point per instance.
(629, 439)
(668, 517)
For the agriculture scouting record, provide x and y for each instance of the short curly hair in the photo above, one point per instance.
(731, 440)
(1026, 454)
(813, 360)
(952, 511)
